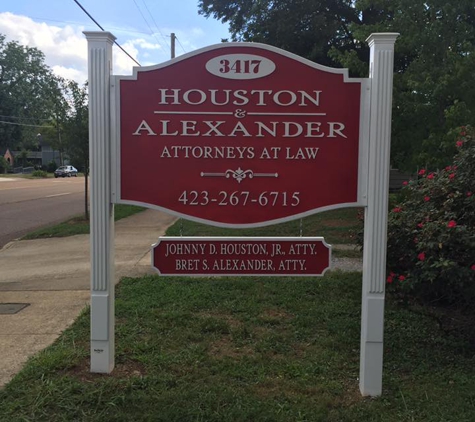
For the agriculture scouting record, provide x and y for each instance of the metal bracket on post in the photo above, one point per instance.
(102, 209)
(376, 213)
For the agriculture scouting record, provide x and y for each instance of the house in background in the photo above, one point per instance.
(8, 157)
(39, 158)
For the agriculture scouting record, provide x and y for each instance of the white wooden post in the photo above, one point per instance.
(102, 209)
(376, 213)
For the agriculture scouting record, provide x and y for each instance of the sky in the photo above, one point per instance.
(142, 28)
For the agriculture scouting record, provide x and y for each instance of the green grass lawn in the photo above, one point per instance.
(252, 349)
(79, 224)
(247, 349)
(338, 226)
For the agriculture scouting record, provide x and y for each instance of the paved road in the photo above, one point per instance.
(27, 204)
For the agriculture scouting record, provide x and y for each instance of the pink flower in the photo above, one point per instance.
(430, 176)
(389, 279)
(452, 224)
(401, 278)
(469, 193)
(473, 267)
(426, 198)
(421, 256)
(420, 225)
(422, 172)
(463, 133)
(448, 168)
(404, 183)
(397, 209)
(451, 175)
(459, 144)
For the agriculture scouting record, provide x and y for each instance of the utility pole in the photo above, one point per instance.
(173, 37)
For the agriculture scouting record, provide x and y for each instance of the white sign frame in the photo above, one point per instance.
(373, 191)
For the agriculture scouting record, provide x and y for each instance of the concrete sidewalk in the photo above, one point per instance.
(52, 276)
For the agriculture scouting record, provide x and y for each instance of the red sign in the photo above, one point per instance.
(239, 135)
(241, 256)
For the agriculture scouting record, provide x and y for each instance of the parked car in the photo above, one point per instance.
(66, 171)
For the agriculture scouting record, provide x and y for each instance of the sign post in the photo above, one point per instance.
(376, 214)
(102, 209)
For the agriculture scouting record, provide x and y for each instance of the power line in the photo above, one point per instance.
(180, 44)
(25, 118)
(115, 42)
(153, 19)
(22, 124)
(149, 27)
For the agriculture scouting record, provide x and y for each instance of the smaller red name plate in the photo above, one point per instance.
(241, 256)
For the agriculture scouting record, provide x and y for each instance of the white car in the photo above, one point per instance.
(66, 171)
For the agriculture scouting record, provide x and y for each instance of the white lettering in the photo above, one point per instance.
(201, 94)
(287, 126)
(239, 128)
(277, 100)
(338, 130)
(144, 126)
(164, 96)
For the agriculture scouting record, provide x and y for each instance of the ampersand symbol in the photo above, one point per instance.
(239, 113)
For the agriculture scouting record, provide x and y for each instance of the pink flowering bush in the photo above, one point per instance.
(431, 231)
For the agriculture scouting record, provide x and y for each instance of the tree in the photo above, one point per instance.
(76, 131)
(23, 156)
(4, 166)
(309, 28)
(434, 57)
(53, 130)
(25, 93)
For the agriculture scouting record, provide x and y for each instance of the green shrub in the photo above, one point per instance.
(51, 167)
(4, 166)
(431, 231)
(39, 173)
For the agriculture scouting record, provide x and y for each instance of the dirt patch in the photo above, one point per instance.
(276, 314)
(127, 369)
(225, 348)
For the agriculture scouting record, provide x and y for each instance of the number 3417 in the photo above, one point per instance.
(239, 66)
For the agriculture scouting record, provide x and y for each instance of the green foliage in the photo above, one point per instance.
(26, 92)
(76, 125)
(39, 173)
(434, 65)
(434, 57)
(309, 28)
(80, 224)
(431, 232)
(4, 166)
(336, 226)
(51, 167)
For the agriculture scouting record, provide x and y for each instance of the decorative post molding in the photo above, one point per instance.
(102, 209)
(376, 213)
